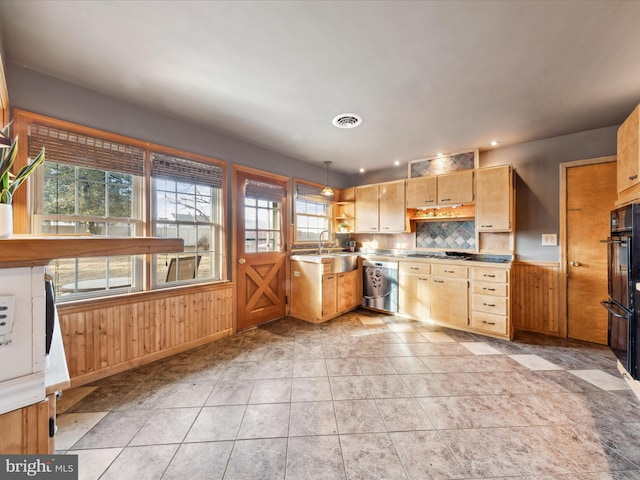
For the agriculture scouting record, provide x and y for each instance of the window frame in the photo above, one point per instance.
(25, 214)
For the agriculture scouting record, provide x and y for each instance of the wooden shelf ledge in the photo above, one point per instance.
(33, 250)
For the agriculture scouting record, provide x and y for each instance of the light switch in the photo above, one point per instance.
(549, 239)
(6, 319)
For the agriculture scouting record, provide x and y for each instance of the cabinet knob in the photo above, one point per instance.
(575, 264)
(633, 177)
(489, 289)
(490, 275)
(242, 261)
(489, 304)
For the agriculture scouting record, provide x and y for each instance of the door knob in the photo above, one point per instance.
(575, 264)
(242, 261)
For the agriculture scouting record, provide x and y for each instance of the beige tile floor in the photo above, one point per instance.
(365, 396)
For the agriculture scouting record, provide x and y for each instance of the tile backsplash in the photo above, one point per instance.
(446, 235)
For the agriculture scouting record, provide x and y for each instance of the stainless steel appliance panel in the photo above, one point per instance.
(380, 285)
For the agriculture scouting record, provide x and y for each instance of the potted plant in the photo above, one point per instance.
(344, 227)
(9, 182)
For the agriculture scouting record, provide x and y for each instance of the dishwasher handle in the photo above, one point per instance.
(608, 306)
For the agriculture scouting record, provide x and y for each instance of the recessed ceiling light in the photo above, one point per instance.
(396, 163)
(347, 120)
(494, 143)
(440, 154)
(362, 170)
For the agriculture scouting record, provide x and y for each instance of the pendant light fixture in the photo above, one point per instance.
(327, 191)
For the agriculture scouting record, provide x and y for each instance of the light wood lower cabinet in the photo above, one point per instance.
(318, 295)
(26, 430)
(414, 295)
(491, 301)
(348, 292)
(475, 299)
(449, 300)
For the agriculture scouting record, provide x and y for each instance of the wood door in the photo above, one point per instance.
(422, 192)
(367, 209)
(591, 195)
(260, 257)
(393, 212)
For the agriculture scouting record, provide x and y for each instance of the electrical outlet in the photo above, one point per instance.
(6, 319)
(549, 239)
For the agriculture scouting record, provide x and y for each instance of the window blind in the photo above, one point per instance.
(264, 191)
(178, 168)
(85, 151)
(310, 193)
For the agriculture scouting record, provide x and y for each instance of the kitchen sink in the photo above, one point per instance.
(340, 261)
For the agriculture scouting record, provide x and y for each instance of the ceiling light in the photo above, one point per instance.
(494, 143)
(396, 163)
(347, 120)
(440, 154)
(327, 191)
(362, 170)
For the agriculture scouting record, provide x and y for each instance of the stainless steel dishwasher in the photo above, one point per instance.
(380, 285)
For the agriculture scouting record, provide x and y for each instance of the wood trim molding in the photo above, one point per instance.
(79, 306)
(563, 285)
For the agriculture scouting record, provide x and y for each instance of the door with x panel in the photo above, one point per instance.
(261, 219)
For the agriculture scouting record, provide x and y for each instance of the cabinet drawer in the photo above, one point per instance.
(489, 304)
(420, 268)
(491, 275)
(452, 271)
(488, 288)
(490, 323)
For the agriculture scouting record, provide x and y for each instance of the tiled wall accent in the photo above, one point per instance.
(440, 165)
(446, 235)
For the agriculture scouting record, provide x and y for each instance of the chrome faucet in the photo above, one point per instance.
(320, 244)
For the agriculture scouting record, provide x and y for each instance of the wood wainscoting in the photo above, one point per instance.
(108, 336)
(536, 294)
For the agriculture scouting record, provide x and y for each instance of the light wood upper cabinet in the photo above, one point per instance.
(422, 192)
(367, 208)
(381, 208)
(494, 199)
(629, 151)
(392, 207)
(455, 188)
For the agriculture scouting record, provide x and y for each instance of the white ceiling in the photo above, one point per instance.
(425, 76)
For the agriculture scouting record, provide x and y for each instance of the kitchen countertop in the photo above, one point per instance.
(472, 259)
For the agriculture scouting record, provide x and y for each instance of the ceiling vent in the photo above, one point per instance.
(347, 120)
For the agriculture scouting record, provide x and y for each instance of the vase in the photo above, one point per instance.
(6, 220)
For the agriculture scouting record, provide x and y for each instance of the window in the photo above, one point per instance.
(262, 217)
(188, 204)
(88, 186)
(312, 212)
(96, 183)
